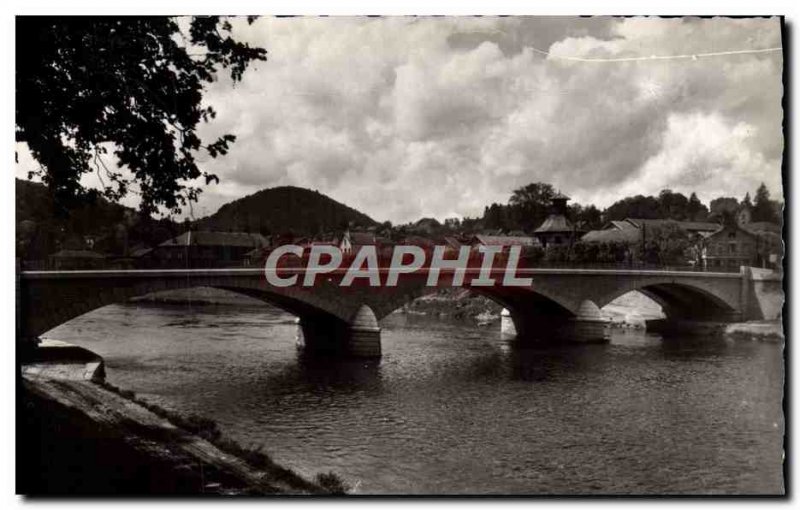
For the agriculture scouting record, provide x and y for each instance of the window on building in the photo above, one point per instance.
(732, 248)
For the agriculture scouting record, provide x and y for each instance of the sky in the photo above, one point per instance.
(410, 117)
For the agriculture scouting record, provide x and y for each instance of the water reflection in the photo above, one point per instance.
(539, 363)
(691, 347)
(334, 374)
(452, 408)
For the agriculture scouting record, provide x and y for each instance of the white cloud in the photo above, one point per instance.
(405, 117)
(709, 153)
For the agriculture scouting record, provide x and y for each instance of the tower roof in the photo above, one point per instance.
(555, 223)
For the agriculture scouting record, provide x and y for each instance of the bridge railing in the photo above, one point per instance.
(640, 266)
(126, 263)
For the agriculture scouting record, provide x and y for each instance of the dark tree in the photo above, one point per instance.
(586, 217)
(673, 205)
(747, 202)
(668, 244)
(764, 209)
(530, 205)
(494, 217)
(720, 205)
(644, 207)
(695, 209)
(129, 85)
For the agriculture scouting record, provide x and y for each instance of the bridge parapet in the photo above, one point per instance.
(46, 299)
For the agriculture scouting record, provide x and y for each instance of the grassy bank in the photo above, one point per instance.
(82, 438)
(255, 456)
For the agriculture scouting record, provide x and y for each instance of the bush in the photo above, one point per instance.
(332, 483)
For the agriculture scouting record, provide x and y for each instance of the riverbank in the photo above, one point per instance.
(766, 331)
(78, 435)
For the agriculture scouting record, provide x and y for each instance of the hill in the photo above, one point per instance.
(285, 209)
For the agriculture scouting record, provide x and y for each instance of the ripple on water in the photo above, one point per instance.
(452, 408)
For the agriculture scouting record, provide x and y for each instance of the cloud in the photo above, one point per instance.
(705, 152)
(407, 117)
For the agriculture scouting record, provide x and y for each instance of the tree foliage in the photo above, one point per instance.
(667, 205)
(723, 206)
(639, 206)
(695, 209)
(667, 244)
(586, 217)
(131, 85)
(530, 205)
(765, 209)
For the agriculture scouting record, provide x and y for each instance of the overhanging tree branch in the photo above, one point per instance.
(82, 82)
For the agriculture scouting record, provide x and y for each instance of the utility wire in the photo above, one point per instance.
(692, 56)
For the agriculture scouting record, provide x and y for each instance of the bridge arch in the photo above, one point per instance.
(516, 300)
(679, 298)
(52, 302)
(328, 311)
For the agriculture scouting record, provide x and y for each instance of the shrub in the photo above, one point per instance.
(332, 483)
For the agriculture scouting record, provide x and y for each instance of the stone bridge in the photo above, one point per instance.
(559, 303)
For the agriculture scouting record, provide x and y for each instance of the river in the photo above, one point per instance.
(452, 408)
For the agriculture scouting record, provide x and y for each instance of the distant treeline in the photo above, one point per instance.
(44, 227)
(528, 207)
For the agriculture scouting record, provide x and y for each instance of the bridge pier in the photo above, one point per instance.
(360, 338)
(692, 322)
(688, 326)
(587, 326)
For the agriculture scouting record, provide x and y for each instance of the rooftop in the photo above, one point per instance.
(630, 234)
(77, 254)
(506, 240)
(762, 226)
(209, 238)
(555, 223)
(692, 226)
(361, 238)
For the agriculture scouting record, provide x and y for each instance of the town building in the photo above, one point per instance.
(556, 230)
(769, 243)
(204, 249)
(352, 242)
(76, 259)
(619, 231)
(729, 248)
(634, 230)
(504, 241)
(696, 228)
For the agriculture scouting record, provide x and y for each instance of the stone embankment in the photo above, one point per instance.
(78, 435)
(767, 331)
